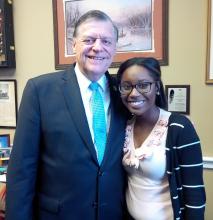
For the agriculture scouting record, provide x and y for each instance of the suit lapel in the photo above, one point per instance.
(115, 122)
(75, 106)
(109, 144)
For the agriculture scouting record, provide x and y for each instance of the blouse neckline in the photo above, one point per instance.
(152, 140)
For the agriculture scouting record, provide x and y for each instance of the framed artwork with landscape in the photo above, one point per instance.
(142, 32)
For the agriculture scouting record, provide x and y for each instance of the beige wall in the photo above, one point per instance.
(33, 24)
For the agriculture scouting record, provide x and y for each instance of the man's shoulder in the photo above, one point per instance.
(52, 76)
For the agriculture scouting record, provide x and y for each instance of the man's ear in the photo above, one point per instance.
(74, 45)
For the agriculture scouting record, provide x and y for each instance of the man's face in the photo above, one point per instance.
(95, 46)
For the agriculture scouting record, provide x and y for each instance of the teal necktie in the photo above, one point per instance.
(98, 121)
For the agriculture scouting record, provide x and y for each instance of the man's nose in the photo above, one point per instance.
(97, 44)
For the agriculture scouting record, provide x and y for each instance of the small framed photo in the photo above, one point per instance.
(4, 141)
(8, 103)
(178, 98)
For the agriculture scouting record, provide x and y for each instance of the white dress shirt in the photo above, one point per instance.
(86, 94)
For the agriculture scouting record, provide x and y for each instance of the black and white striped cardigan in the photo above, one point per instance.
(185, 169)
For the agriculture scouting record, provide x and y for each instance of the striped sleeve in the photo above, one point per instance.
(189, 164)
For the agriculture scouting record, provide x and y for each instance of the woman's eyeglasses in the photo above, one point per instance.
(126, 88)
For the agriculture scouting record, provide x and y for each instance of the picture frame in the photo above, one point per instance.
(178, 98)
(4, 141)
(146, 37)
(8, 103)
(7, 47)
(209, 63)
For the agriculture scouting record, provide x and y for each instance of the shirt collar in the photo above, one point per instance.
(84, 82)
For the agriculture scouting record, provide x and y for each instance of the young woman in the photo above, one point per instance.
(162, 153)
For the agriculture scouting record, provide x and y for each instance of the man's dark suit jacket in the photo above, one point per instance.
(53, 173)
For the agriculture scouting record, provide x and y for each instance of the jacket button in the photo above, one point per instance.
(95, 205)
(100, 173)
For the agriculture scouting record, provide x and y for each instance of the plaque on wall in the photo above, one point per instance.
(7, 47)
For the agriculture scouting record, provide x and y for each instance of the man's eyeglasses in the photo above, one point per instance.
(142, 87)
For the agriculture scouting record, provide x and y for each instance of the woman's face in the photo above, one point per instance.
(139, 100)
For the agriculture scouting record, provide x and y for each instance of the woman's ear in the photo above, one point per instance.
(157, 87)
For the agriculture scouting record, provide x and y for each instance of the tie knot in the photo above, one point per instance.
(94, 86)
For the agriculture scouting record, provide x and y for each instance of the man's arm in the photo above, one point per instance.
(22, 168)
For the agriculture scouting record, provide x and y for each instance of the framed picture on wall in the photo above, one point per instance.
(178, 98)
(209, 68)
(8, 103)
(142, 32)
(7, 48)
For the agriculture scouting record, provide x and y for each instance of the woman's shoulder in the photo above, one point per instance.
(182, 120)
(179, 117)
